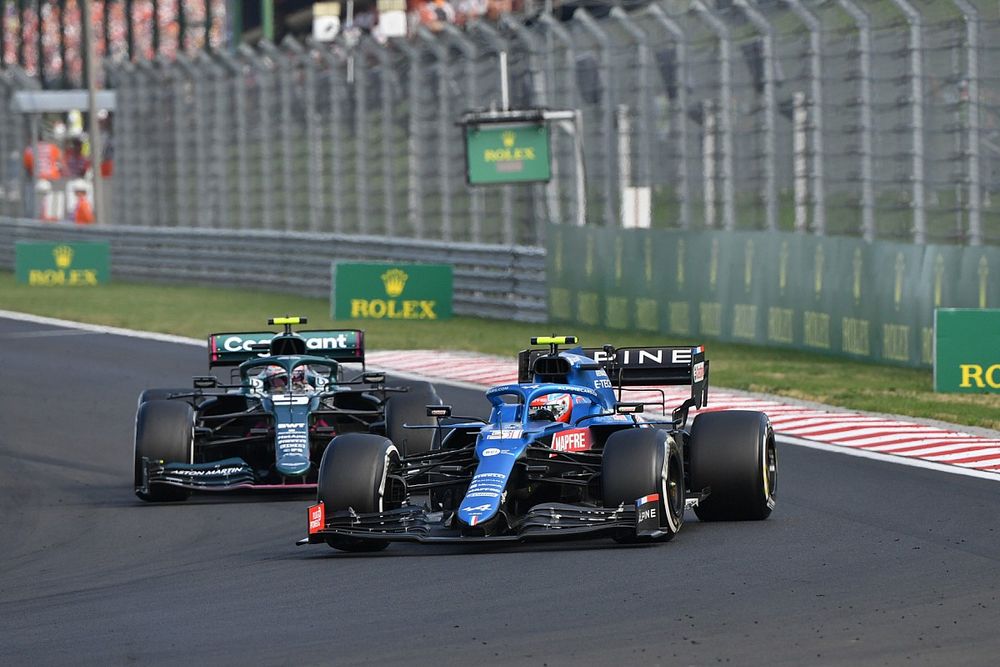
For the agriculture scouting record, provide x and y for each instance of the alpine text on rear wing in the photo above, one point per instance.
(639, 366)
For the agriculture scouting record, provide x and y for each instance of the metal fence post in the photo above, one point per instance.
(337, 141)
(181, 196)
(414, 186)
(443, 122)
(498, 45)
(656, 13)
(233, 77)
(194, 198)
(314, 141)
(153, 173)
(469, 54)
(122, 75)
(861, 19)
(816, 107)
(219, 154)
(359, 84)
(608, 111)
(543, 207)
(554, 28)
(264, 124)
(386, 76)
(644, 178)
(917, 118)
(770, 189)
(725, 111)
(972, 154)
(282, 77)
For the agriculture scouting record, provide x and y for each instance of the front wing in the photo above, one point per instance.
(542, 522)
(225, 475)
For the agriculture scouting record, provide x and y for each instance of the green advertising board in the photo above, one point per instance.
(870, 301)
(77, 264)
(967, 350)
(498, 153)
(390, 291)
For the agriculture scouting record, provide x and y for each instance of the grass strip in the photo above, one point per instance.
(196, 311)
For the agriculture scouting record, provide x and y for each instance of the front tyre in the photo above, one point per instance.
(353, 474)
(732, 452)
(164, 431)
(641, 461)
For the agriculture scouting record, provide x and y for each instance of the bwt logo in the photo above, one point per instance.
(974, 373)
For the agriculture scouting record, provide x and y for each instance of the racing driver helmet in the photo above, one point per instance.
(300, 380)
(551, 407)
(275, 378)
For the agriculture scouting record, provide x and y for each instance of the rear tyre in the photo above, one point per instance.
(164, 431)
(353, 475)
(411, 408)
(732, 452)
(638, 462)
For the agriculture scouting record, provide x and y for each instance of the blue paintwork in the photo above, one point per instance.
(510, 431)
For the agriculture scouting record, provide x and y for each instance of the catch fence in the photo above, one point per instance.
(878, 119)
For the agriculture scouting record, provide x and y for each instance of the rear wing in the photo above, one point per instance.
(233, 348)
(639, 367)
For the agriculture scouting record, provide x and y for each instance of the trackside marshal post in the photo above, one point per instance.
(61, 264)
(391, 291)
(967, 350)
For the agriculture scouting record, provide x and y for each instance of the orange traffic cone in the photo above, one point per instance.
(84, 214)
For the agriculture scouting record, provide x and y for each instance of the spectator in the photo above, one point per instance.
(469, 10)
(497, 8)
(49, 165)
(436, 13)
(76, 163)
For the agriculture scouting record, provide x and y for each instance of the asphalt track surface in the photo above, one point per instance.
(862, 562)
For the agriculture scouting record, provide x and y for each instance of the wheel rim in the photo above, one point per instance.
(673, 492)
(770, 468)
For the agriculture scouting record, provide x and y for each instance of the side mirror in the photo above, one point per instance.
(439, 411)
(205, 381)
(629, 408)
(591, 366)
(373, 378)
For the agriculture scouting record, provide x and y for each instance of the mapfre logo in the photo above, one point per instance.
(576, 440)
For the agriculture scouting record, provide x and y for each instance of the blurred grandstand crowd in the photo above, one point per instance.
(61, 33)
(51, 30)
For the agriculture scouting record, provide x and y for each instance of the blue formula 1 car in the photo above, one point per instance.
(267, 429)
(560, 455)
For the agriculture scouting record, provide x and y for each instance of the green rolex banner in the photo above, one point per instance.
(507, 153)
(837, 295)
(390, 291)
(76, 264)
(967, 350)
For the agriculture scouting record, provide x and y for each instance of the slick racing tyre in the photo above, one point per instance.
(732, 453)
(411, 408)
(164, 431)
(161, 394)
(353, 475)
(639, 462)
